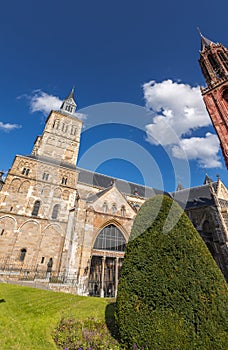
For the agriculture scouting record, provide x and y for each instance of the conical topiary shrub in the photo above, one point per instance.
(171, 293)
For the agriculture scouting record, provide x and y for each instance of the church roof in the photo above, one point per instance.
(104, 182)
(195, 197)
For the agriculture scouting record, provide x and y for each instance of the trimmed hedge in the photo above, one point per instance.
(171, 294)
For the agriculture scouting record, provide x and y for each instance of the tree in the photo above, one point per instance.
(171, 294)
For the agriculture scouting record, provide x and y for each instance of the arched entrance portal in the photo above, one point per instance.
(106, 262)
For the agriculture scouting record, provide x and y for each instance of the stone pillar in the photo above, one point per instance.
(116, 275)
(102, 276)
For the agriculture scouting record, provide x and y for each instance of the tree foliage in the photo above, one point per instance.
(171, 294)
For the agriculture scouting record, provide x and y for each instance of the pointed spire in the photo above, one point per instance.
(69, 105)
(71, 94)
(204, 41)
(207, 180)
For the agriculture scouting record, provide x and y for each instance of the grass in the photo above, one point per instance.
(28, 316)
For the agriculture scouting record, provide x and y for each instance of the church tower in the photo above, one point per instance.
(39, 191)
(61, 137)
(214, 65)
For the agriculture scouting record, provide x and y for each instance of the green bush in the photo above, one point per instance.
(171, 294)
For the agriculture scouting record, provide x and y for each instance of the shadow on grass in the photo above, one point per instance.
(2, 301)
(110, 320)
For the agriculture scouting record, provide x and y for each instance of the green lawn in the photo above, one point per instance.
(28, 316)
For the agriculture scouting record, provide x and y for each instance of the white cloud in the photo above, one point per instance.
(9, 127)
(177, 110)
(176, 106)
(42, 102)
(203, 149)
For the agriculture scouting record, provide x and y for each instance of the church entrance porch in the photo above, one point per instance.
(107, 256)
(104, 276)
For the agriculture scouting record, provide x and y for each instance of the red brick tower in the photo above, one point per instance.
(214, 65)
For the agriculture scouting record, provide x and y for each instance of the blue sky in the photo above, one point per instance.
(136, 54)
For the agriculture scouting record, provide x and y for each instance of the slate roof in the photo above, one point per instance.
(104, 181)
(195, 197)
(189, 198)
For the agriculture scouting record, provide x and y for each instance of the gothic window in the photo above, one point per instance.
(22, 254)
(225, 95)
(64, 180)
(205, 73)
(114, 209)
(45, 176)
(42, 260)
(110, 238)
(123, 211)
(63, 127)
(105, 207)
(2, 232)
(25, 171)
(215, 66)
(55, 211)
(223, 59)
(36, 208)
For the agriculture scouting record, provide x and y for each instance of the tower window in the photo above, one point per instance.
(36, 208)
(56, 124)
(55, 211)
(25, 171)
(2, 232)
(64, 180)
(22, 255)
(73, 130)
(215, 65)
(42, 260)
(45, 176)
(224, 59)
(225, 95)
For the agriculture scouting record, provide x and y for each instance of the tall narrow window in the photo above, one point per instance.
(215, 65)
(22, 255)
(105, 207)
(36, 208)
(56, 124)
(123, 211)
(114, 209)
(55, 211)
(73, 130)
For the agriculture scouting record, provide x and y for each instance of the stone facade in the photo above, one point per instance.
(68, 225)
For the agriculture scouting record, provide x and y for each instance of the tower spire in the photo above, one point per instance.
(204, 41)
(214, 65)
(69, 105)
